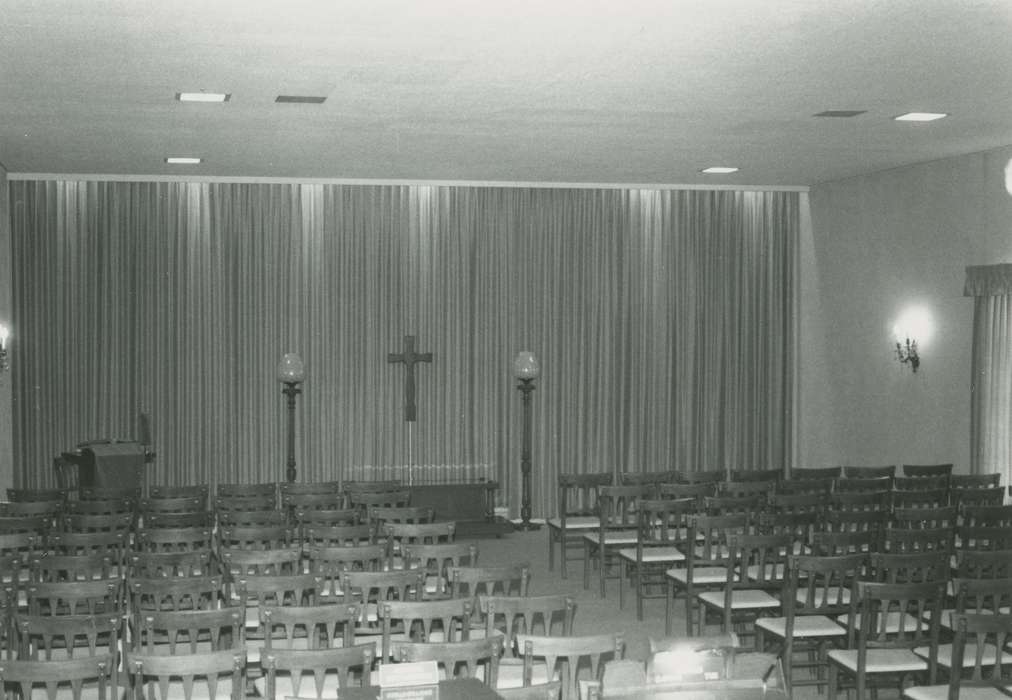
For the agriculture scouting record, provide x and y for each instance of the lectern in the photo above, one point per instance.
(108, 464)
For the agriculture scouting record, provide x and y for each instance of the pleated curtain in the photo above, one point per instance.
(664, 321)
(991, 376)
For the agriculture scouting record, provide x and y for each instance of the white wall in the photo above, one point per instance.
(879, 243)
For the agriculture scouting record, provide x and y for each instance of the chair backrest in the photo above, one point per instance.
(458, 659)
(750, 505)
(920, 518)
(324, 671)
(768, 475)
(702, 476)
(424, 621)
(984, 563)
(437, 560)
(48, 678)
(364, 500)
(858, 521)
(87, 597)
(577, 493)
(169, 564)
(986, 639)
(337, 535)
(73, 567)
(969, 497)
(49, 637)
(212, 674)
(975, 481)
(800, 527)
(310, 488)
(710, 533)
(595, 649)
(820, 585)
(111, 544)
(246, 490)
(898, 539)
(245, 504)
(549, 616)
(853, 484)
(813, 503)
(313, 626)
(174, 594)
(252, 562)
(175, 504)
(983, 595)
(188, 631)
(330, 563)
(697, 491)
(192, 491)
(920, 498)
(197, 518)
(277, 589)
(312, 501)
(98, 522)
(326, 517)
(809, 485)
(28, 495)
(663, 522)
(398, 535)
(920, 483)
(817, 473)
(763, 557)
(927, 470)
(618, 505)
(380, 586)
(256, 537)
(653, 479)
(984, 537)
(747, 487)
(174, 539)
(502, 579)
(864, 472)
(834, 543)
(991, 515)
(912, 567)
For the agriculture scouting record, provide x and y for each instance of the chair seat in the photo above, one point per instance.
(653, 555)
(989, 655)
(614, 537)
(700, 575)
(807, 626)
(880, 660)
(740, 600)
(580, 522)
(511, 673)
(941, 692)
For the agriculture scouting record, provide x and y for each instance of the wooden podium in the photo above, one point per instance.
(105, 464)
(471, 505)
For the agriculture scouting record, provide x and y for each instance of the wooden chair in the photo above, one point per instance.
(927, 470)
(308, 626)
(379, 516)
(859, 521)
(920, 483)
(105, 522)
(158, 595)
(306, 518)
(438, 560)
(818, 591)
(578, 513)
(112, 544)
(566, 656)
(424, 622)
(920, 498)
(922, 518)
(290, 672)
(983, 563)
(616, 528)
(963, 498)
(861, 500)
(940, 539)
(508, 616)
(887, 622)
(475, 658)
(187, 632)
(73, 567)
(911, 567)
(981, 647)
(316, 535)
(834, 543)
(398, 535)
(661, 541)
(72, 678)
(750, 505)
(800, 527)
(330, 563)
(227, 508)
(705, 565)
(755, 577)
(219, 674)
(864, 472)
(983, 537)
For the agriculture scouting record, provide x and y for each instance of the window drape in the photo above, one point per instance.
(664, 321)
(991, 375)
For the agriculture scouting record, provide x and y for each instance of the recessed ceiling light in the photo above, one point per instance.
(182, 160)
(920, 116)
(301, 99)
(203, 96)
(718, 170)
(840, 113)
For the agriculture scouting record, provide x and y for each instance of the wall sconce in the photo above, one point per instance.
(906, 353)
(4, 334)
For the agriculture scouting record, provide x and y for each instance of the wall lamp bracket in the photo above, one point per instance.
(906, 353)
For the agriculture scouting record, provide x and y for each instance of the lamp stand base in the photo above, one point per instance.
(527, 526)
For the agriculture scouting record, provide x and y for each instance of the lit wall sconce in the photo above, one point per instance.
(915, 325)
(906, 353)
(4, 334)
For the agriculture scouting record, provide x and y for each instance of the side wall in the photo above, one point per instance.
(6, 305)
(882, 243)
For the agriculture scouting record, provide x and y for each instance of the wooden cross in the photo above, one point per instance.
(409, 357)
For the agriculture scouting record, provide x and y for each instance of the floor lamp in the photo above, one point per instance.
(291, 372)
(526, 369)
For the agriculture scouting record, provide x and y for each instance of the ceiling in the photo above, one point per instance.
(547, 91)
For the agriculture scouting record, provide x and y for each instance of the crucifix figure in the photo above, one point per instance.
(409, 357)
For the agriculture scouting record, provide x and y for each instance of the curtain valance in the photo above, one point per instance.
(988, 280)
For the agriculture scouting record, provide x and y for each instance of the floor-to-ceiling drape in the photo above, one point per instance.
(991, 379)
(664, 321)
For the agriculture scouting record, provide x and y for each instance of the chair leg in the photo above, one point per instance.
(551, 548)
(586, 565)
(602, 555)
(669, 599)
(623, 570)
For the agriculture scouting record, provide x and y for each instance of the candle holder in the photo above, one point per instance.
(526, 369)
(291, 373)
